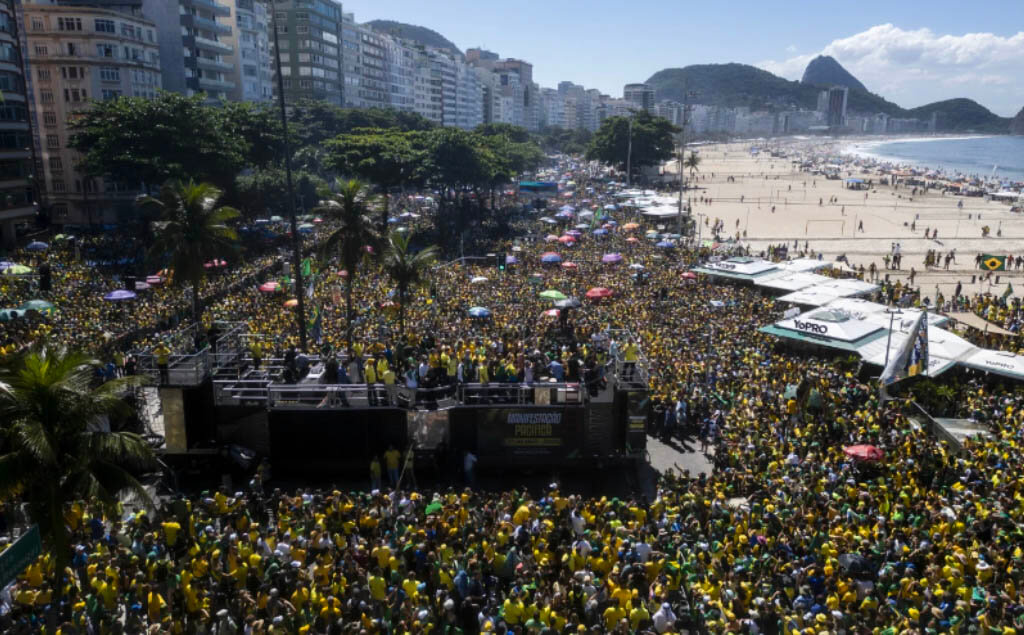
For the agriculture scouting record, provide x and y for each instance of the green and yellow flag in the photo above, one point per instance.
(1008, 291)
(993, 263)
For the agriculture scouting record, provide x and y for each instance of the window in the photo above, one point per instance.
(72, 72)
(52, 141)
(302, 29)
(74, 95)
(37, 24)
(43, 74)
(56, 164)
(110, 74)
(105, 50)
(110, 94)
(104, 26)
(60, 187)
(46, 97)
(71, 49)
(8, 52)
(41, 51)
(69, 24)
(13, 112)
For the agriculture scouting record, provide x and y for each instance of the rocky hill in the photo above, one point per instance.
(420, 34)
(1017, 125)
(824, 70)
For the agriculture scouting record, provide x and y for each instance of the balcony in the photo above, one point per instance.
(205, 24)
(217, 8)
(208, 84)
(212, 45)
(213, 65)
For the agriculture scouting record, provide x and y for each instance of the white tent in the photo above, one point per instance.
(999, 362)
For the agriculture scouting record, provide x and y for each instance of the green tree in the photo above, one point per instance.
(258, 125)
(651, 141)
(407, 270)
(692, 163)
(516, 134)
(264, 192)
(149, 141)
(565, 141)
(385, 157)
(50, 452)
(192, 231)
(354, 233)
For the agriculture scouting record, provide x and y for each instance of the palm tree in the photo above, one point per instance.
(50, 453)
(191, 232)
(407, 270)
(693, 163)
(355, 232)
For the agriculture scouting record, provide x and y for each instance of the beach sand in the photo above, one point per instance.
(831, 229)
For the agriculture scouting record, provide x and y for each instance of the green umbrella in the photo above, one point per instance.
(552, 294)
(39, 305)
(433, 508)
(17, 270)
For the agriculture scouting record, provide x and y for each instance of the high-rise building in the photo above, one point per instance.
(640, 95)
(78, 53)
(16, 194)
(194, 46)
(249, 66)
(310, 35)
(835, 113)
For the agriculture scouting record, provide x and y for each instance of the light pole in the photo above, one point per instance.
(629, 154)
(300, 308)
(682, 154)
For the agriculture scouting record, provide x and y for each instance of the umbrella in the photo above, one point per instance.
(569, 265)
(269, 287)
(276, 219)
(511, 260)
(631, 239)
(517, 248)
(306, 228)
(611, 258)
(575, 233)
(36, 245)
(479, 312)
(118, 295)
(549, 221)
(636, 265)
(154, 280)
(550, 257)
(318, 220)
(551, 238)
(535, 278)
(6, 263)
(433, 508)
(552, 294)
(586, 214)
(689, 275)
(37, 305)
(291, 303)
(583, 226)
(343, 273)
(478, 280)
(551, 313)
(215, 263)
(631, 226)
(567, 240)
(864, 452)
(141, 286)
(855, 564)
(17, 270)
(568, 303)
(600, 232)
(394, 220)
(567, 208)
(599, 292)
(665, 244)
(611, 207)
(717, 304)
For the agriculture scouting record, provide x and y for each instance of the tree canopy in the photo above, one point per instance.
(652, 141)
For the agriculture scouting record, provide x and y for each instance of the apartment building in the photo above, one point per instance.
(249, 66)
(16, 194)
(195, 50)
(78, 53)
(310, 36)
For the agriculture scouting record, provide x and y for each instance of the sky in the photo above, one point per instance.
(909, 51)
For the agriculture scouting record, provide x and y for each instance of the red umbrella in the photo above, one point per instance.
(599, 292)
(864, 452)
(569, 265)
(566, 240)
(270, 287)
(343, 273)
(215, 263)
(689, 275)
(551, 313)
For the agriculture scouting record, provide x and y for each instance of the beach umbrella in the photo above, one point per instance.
(6, 263)
(36, 245)
(598, 293)
(551, 313)
(568, 303)
(586, 214)
(343, 273)
(269, 287)
(511, 260)
(394, 220)
(141, 286)
(567, 240)
(548, 220)
(600, 232)
(665, 244)
(631, 226)
(516, 248)
(276, 219)
(582, 226)
(575, 233)
(215, 264)
(552, 294)
(17, 270)
(550, 257)
(306, 228)
(119, 295)
(261, 221)
(611, 223)
(632, 239)
(718, 304)
(551, 238)
(478, 280)
(37, 305)
(636, 265)
(689, 275)
(151, 280)
(611, 206)
(291, 303)
(570, 265)
(567, 208)
(864, 452)
(611, 258)
(479, 312)
(318, 220)
(650, 232)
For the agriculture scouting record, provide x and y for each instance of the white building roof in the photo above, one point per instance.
(830, 324)
(999, 362)
(789, 281)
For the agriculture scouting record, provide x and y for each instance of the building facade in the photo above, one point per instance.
(16, 194)
(249, 65)
(310, 36)
(640, 95)
(78, 54)
(195, 51)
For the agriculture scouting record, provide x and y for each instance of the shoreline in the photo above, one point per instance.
(866, 149)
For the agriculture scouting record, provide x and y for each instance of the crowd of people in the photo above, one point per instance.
(788, 533)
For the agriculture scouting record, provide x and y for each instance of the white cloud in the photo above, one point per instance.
(916, 67)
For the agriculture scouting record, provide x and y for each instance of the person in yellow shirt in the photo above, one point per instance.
(392, 459)
(612, 615)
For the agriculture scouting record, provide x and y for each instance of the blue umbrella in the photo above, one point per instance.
(567, 208)
(394, 220)
(120, 294)
(613, 207)
(551, 257)
(511, 260)
(37, 245)
(665, 244)
(479, 312)
(600, 232)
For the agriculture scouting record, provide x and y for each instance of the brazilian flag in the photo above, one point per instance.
(993, 263)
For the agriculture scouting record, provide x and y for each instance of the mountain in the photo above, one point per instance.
(739, 85)
(824, 70)
(420, 34)
(1017, 125)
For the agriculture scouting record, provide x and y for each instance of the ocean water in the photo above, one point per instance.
(973, 156)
